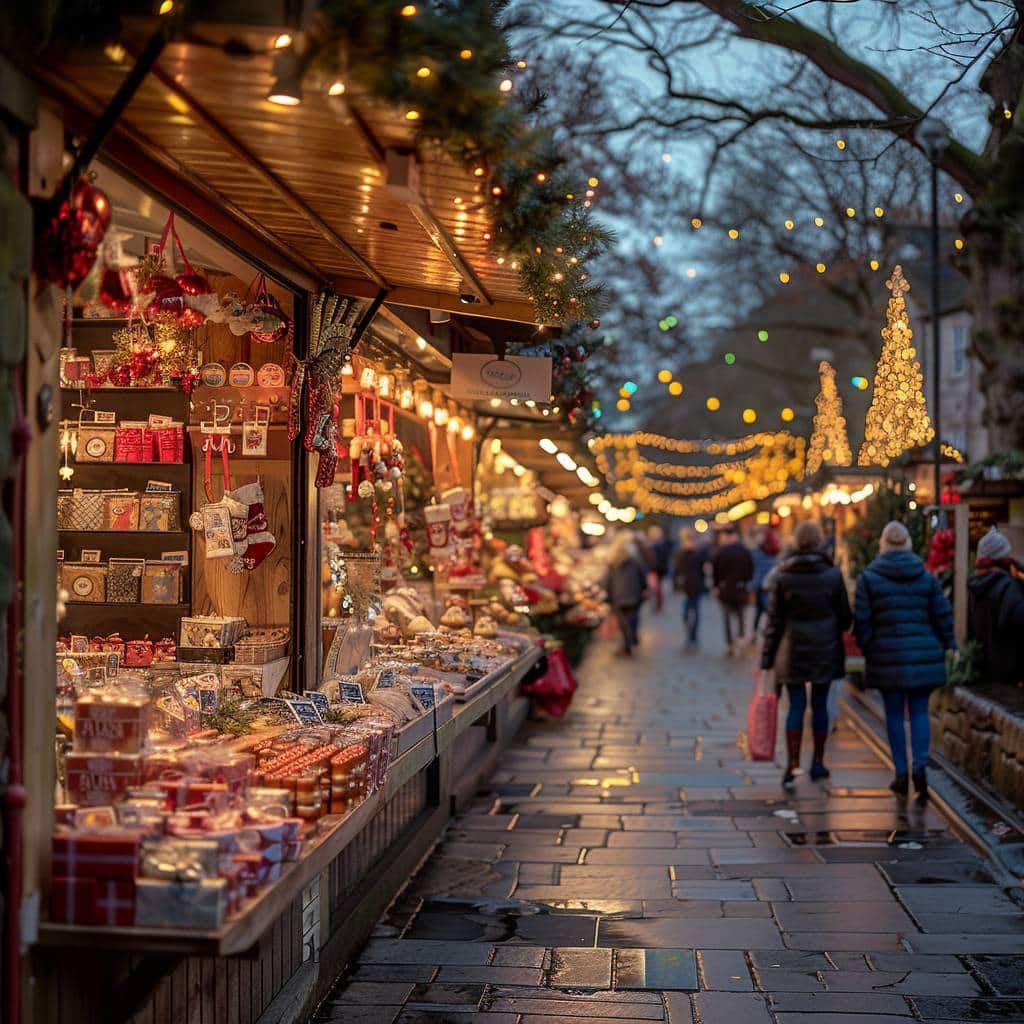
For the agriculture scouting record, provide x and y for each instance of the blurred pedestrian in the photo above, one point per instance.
(904, 626)
(626, 586)
(732, 569)
(661, 554)
(808, 612)
(688, 580)
(765, 556)
(995, 610)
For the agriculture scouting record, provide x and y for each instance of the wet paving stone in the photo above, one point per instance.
(627, 864)
(580, 968)
(659, 969)
(969, 1010)
(1004, 974)
(460, 996)
(950, 872)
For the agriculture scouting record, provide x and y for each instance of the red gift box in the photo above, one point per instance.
(73, 900)
(108, 723)
(115, 902)
(107, 855)
(94, 778)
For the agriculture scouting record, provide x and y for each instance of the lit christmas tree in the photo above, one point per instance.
(829, 444)
(898, 418)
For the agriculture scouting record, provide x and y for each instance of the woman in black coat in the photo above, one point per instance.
(808, 612)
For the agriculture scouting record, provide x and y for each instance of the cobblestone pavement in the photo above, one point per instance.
(628, 863)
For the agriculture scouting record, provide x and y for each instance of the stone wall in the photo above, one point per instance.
(982, 737)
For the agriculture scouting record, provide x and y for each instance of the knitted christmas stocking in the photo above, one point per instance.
(259, 541)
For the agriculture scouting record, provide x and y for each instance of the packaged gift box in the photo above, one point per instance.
(160, 904)
(93, 779)
(110, 854)
(73, 900)
(108, 722)
(115, 903)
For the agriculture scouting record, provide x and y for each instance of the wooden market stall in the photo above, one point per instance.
(330, 197)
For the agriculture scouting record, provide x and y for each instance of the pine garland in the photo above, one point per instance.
(540, 221)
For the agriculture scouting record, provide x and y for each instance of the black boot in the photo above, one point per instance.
(794, 738)
(921, 785)
(818, 769)
(899, 784)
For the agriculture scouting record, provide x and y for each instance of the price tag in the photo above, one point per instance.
(351, 693)
(385, 679)
(318, 700)
(305, 711)
(424, 694)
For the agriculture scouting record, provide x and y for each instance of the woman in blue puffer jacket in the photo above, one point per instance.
(904, 626)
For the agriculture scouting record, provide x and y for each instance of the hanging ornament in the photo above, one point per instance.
(273, 324)
(67, 247)
(117, 282)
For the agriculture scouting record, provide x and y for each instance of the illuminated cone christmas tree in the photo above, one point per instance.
(829, 444)
(898, 418)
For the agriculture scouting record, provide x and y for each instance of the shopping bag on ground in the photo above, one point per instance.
(553, 691)
(762, 720)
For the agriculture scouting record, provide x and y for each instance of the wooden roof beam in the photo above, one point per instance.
(222, 133)
(403, 182)
(155, 170)
(425, 298)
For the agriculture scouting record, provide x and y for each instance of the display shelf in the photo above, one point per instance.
(107, 389)
(133, 621)
(335, 833)
(131, 533)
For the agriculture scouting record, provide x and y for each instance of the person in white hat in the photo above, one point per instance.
(904, 625)
(995, 610)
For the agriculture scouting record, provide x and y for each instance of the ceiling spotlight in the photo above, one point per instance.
(286, 90)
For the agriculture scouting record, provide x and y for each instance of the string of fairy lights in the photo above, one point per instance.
(734, 474)
(769, 462)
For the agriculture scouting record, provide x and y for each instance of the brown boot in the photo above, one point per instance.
(818, 769)
(794, 738)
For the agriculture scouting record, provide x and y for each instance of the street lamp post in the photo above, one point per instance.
(934, 137)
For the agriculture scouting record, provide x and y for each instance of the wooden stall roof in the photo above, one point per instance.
(310, 181)
(521, 440)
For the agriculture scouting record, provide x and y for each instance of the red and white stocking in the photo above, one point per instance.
(259, 541)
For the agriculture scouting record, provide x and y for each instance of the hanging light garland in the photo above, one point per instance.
(770, 461)
(898, 417)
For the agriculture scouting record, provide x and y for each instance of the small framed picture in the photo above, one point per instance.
(158, 513)
(121, 511)
(91, 555)
(161, 583)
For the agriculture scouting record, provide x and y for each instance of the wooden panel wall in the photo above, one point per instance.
(263, 596)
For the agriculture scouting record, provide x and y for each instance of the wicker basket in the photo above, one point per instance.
(261, 646)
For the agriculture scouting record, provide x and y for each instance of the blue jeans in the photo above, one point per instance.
(916, 702)
(798, 705)
(691, 617)
(760, 606)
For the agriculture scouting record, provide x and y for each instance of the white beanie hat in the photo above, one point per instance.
(994, 545)
(895, 537)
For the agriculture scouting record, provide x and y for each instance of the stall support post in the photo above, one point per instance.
(961, 551)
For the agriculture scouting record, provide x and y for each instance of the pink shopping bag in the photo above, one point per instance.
(762, 721)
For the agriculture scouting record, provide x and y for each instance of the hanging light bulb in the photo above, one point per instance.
(468, 433)
(286, 89)
(346, 367)
(441, 414)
